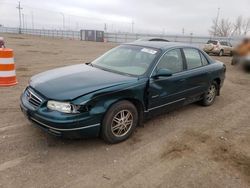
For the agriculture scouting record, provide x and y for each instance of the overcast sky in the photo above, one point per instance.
(154, 16)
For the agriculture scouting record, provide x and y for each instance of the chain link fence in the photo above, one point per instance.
(43, 32)
(194, 40)
(121, 37)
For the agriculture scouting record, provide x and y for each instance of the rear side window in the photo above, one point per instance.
(193, 58)
(203, 59)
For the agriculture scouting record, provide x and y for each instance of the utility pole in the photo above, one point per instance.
(216, 22)
(20, 19)
(183, 31)
(63, 20)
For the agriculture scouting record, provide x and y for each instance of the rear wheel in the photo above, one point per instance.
(119, 122)
(210, 95)
(221, 53)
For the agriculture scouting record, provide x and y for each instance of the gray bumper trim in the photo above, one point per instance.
(72, 129)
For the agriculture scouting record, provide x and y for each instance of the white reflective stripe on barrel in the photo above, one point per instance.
(7, 73)
(6, 60)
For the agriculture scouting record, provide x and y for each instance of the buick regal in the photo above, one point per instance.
(116, 92)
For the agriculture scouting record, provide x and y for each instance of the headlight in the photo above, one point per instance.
(63, 107)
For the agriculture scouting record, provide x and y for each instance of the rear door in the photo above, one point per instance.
(197, 73)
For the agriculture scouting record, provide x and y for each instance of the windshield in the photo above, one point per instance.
(127, 59)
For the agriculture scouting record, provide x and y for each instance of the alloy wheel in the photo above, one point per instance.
(211, 93)
(122, 123)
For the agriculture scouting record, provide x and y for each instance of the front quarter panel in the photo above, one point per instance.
(99, 102)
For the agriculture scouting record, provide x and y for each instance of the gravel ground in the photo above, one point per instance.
(190, 147)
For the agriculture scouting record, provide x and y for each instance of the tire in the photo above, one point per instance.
(119, 122)
(210, 95)
(221, 53)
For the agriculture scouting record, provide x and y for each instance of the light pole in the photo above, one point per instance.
(63, 20)
(20, 18)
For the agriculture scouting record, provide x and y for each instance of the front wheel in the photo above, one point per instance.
(119, 122)
(210, 95)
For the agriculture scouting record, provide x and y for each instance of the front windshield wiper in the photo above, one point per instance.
(114, 71)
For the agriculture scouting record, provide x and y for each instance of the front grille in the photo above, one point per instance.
(33, 98)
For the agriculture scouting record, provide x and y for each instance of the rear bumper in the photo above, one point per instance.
(73, 128)
(214, 51)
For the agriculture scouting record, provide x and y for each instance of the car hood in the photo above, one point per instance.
(68, 83)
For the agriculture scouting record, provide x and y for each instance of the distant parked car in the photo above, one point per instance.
(153, 39)
(219, 48)
(117, 91)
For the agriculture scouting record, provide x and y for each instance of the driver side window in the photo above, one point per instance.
(172, 61)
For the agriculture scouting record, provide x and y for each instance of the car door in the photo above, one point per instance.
(167, 91)
(197, 73)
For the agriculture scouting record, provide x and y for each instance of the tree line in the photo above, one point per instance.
(225, 28)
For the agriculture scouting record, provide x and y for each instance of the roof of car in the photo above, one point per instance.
(159, 44)
(153, 39)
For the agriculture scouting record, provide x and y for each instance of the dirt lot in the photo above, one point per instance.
(190, 147)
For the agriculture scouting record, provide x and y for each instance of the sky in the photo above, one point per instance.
(139, 16)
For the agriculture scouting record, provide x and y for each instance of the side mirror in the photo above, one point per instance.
(163, 73)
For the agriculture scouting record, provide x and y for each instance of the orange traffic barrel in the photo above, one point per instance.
(7, 68)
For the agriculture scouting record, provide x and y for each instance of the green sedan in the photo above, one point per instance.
(112, 95)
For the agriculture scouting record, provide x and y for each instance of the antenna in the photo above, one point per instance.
(20, 19)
